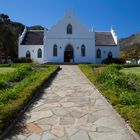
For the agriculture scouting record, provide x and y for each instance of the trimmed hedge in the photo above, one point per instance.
(17, 97)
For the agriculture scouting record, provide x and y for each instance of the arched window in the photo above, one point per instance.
(110, 55)
(28, 55)
(83, 50)
(55, 50)
(69, 29)
(98, 53)
(39, 53)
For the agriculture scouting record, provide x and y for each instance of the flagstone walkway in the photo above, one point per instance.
(70, 109)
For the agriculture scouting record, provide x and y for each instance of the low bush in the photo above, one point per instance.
(113, 60)
(22, 60)
(15, 76)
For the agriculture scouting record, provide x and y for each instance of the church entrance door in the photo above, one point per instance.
(68, 54)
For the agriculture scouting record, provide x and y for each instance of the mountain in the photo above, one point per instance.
(130, 47)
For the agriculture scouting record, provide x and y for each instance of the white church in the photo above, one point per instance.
(68, 41)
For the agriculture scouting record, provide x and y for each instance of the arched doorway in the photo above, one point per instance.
(68, 54)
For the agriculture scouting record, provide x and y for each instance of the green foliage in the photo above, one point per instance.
(36, 27)
(122, 90)
(15, 76)
(5, 65)
(113, 60)
(22, 60)
(127, 98)
(131, 52)
(9, 33)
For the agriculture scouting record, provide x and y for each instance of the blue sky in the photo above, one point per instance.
(123, 15)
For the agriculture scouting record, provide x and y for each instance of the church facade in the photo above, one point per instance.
(68, 41)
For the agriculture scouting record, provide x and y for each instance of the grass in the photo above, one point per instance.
(28, 80)
(134, 70)
(6, 70)
(120, 89)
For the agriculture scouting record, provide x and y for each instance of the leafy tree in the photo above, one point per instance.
(36, 27)
(9, 32)
(4, 18)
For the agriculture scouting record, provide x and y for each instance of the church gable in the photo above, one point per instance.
(33, 37)
(60, 30)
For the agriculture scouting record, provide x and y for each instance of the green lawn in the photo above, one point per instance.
(133, 70)
(6, 69)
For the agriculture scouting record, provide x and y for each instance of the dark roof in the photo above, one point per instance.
(33, 38)
(104, 39)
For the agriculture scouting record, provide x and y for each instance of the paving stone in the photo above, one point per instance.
(104, 129)
(37, 104)
(45, 127)
(34, 137)
(82, 121)
(38, 115)
(58, 131)
(66, 121)
(108, 136)
(68, 104)
(89, 127)
(51, 105)
(81, 135)
(63, 138)
(72, 130)
(47, 136)
(33, 128)
(77, 114)
(48, 121)
(60, 111)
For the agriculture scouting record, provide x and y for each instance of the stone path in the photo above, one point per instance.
(70, 109)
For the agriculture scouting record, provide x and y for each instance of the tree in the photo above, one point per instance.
(36, 27)
(4, 18)
(9, 33)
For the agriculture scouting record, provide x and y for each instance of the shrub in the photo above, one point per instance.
(113, 60)
(127, 98)
(15, 76)
(22, 60)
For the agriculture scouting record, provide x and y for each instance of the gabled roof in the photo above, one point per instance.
(33, 37)
(104, 39)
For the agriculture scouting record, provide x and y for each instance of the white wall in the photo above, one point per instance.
(80, 35)
(105, 50)
(33, 51)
